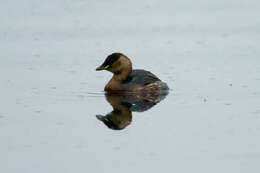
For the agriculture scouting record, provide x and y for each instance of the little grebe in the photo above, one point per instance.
(127, 80)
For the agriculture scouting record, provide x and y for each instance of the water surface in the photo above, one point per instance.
(207, 52)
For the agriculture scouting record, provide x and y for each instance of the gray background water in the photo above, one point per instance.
(207, 52)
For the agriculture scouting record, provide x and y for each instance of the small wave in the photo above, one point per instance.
(95, 94)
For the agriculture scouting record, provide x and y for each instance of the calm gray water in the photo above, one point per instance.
(207, 52)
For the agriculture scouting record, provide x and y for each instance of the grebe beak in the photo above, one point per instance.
(102, 68)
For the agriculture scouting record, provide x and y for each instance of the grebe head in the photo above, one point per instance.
(116, 63)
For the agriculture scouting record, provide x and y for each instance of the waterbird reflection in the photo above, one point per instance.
(124, 104)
